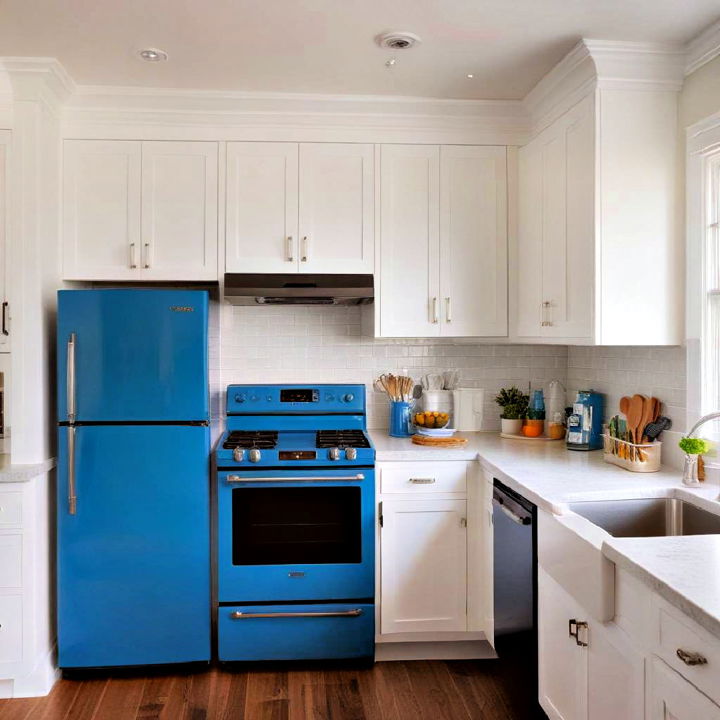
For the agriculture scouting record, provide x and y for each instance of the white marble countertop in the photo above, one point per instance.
(10, 473)
(683, 570)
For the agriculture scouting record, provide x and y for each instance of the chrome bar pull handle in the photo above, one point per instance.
(448, 310)
(72, 490)
(304, 249)
(289, 255)
(435, 311)
(70, 381)
(146, 264)
(133, 258)
(277, 479)
(253, 615)
(691, 658)
(422, 481)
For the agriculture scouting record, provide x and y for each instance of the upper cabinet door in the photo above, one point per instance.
(409, 241)
(473, 240)
(262, 208)
(337, 212)
(101, 209)
(5, 140)
(179, 211)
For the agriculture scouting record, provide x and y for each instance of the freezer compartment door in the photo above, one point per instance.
(132, 355)
(134, 558)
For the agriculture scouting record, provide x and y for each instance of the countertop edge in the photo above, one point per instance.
(20, 473)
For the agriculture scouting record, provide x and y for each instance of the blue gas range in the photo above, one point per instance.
(296, 524)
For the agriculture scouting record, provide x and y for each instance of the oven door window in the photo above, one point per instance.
(296, 526)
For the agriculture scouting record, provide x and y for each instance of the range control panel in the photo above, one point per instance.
(295, 399)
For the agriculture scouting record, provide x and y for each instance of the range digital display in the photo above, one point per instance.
(297, 455)
(299, 395)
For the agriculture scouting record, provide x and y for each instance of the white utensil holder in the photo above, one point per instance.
(640, 457)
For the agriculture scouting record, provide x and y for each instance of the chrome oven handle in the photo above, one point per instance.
(519, 519)
(71, 378)
(252, 615)
(72, 490)
(248, 479)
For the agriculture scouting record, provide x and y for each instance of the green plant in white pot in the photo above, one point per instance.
(514, 404)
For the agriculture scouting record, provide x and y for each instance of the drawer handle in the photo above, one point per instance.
(422, 481)
(691, 658)
(252, 615)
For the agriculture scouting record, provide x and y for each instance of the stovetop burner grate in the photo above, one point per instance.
(262, 439)
(341, 439)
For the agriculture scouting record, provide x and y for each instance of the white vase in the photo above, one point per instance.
(511, 427)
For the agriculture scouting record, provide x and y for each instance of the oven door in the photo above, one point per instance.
(289, 535)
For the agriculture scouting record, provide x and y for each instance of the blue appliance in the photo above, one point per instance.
(585, 422)
(296, 524)
(133, 550)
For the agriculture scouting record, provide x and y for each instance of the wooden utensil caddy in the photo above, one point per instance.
(640, 457)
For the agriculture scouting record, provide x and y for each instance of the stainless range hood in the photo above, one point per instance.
(298, 289)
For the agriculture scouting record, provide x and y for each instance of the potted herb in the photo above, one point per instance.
(514, 405)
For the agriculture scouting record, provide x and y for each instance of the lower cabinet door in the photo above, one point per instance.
(296, 632)
(674, 698)
(423, 556)
(562, 663)
(616, 675)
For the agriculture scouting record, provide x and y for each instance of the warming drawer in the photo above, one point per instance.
(296, 632)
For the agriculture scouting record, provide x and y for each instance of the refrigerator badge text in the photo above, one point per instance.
(182, 308)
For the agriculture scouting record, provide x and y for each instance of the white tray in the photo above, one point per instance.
(540, 438)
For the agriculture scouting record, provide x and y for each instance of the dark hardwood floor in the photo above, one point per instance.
(420, 690)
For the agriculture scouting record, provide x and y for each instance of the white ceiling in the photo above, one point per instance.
(327, 46)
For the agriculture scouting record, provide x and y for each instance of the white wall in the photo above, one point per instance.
(324, 344)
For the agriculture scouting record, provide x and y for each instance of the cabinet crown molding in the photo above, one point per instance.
(33, 78)
(604, 64)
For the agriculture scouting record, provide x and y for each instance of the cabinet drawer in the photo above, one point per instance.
(424, 478)
(693, 644)
(10, 628)
(296, 632)
(10, 509)
(11, 561)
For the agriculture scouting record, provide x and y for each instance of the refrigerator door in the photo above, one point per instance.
(132, 355)
(134, 560)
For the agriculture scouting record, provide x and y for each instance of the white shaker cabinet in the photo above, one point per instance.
(5, 140)
(140, 210)
(443, 241)
(300, 208)
(424, 566)
(262, 207)
(674, 698)
(597, 238)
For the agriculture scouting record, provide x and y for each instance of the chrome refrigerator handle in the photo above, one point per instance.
(72, 491)
(71, 378)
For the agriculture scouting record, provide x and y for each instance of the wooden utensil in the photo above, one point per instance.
(624, 404)
(634, 415)
(647, 414)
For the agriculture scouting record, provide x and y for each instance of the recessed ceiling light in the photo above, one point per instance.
(397, 40)
(470, 75)
(153, 55)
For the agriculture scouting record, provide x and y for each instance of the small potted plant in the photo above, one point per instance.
(514, 405)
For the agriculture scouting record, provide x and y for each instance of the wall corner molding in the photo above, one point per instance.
(703, 48)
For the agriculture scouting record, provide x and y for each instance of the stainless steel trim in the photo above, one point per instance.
(328, 478)
(435, 310)
(72, 490)
(422, 481)
(70, 380)
(304, 249)
(147, 255)
(133, 259)
(289, 255)
(448, 310)
(691, 658)
(249, 616)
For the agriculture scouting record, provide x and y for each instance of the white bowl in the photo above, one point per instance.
(435, 432)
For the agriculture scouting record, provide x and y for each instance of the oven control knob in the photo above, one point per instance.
(254, 455)
(350, 453)
(349, 397)
(334, 453)
(238, 454)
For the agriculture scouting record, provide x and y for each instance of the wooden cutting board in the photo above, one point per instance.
(444, 442)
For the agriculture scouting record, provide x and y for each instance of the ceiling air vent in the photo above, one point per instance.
(397, 40)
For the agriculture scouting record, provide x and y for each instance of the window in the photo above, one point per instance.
(710, 331)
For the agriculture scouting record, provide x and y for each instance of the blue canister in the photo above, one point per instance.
(400, 419)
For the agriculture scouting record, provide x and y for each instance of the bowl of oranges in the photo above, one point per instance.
(431, 420)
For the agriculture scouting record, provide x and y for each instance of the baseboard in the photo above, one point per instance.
(462, 650)
(40, 680)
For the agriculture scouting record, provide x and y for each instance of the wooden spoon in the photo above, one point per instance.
(634, 415)
(624, 405)
(648, 409)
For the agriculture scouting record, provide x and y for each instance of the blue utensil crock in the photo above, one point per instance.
(400, 419)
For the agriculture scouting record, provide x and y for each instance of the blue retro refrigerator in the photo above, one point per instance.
(133, 545)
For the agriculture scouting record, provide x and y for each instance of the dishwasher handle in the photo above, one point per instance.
(513, 510)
